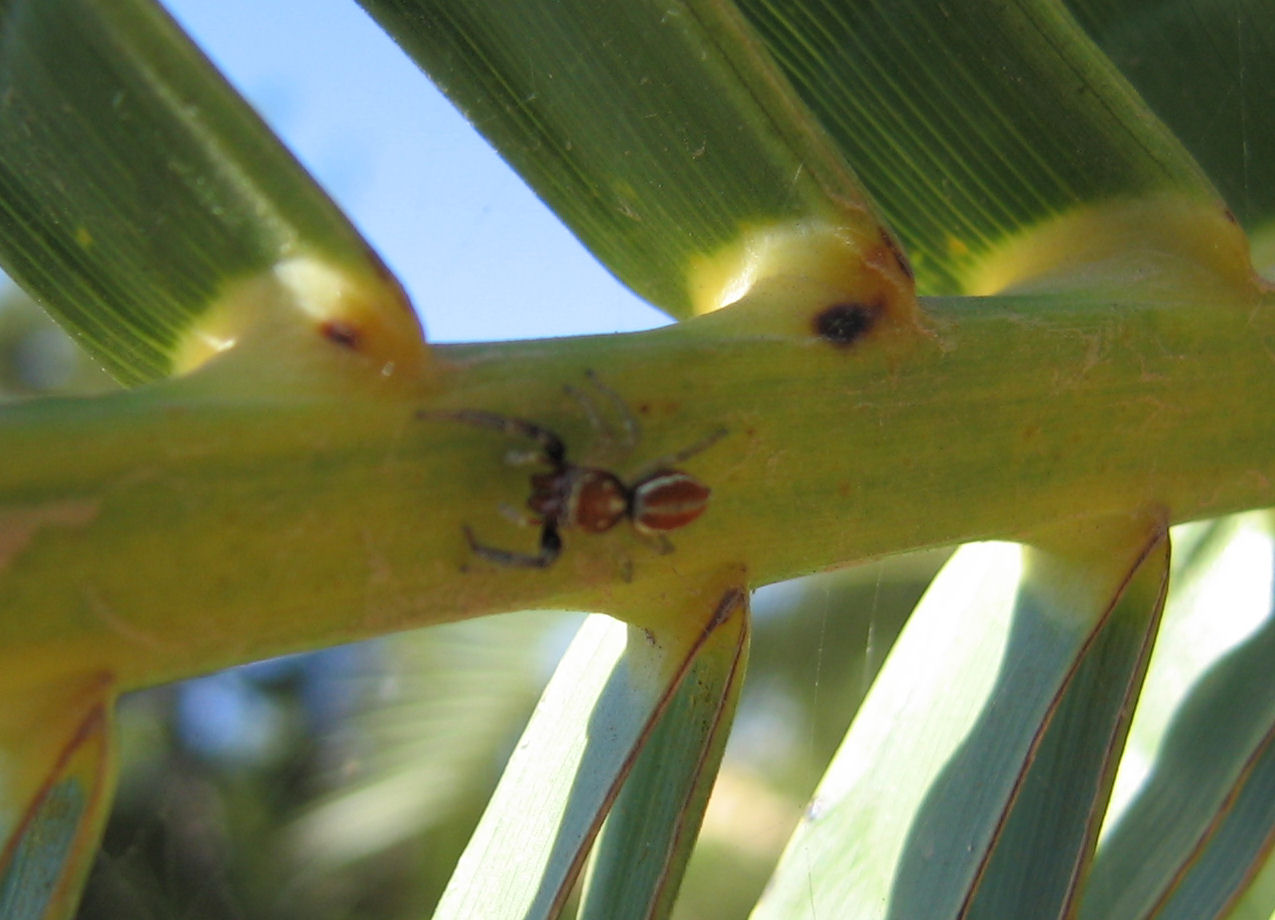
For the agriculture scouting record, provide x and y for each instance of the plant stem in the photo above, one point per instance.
(185, 526)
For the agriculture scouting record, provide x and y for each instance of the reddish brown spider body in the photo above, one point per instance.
(574, 496)
(593, 500)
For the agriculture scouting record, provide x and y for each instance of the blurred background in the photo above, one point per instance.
(343, 784)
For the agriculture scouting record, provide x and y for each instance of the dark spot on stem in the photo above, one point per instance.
(843, 324)
(341, 333)
(1230, 216)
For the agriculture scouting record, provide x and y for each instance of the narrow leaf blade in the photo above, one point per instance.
(1200, 824)
(646, 842)
(1206, 67)
(660, 133)
(597, 711)
(972, 124)
(137, 189)
(56, 779)
(1047, 843)
(907, 817)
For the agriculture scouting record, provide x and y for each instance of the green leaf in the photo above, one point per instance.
(1200, 824)
(1258, 897)
(972, 127)
(1047, 842)
(1207, 68)
(660, 133)
(912, 816)
(973, 123)
(138, 192)
(598, 709)
(646, 842)
(56, 780)
(1236, 849)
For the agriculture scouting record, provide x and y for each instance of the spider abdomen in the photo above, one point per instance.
(667, 500)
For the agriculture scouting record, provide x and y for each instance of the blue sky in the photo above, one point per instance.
(480, 255)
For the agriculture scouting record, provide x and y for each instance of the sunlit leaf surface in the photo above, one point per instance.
(912, 816)
(1201, 821)
(644, 847)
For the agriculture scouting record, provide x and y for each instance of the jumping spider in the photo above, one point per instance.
(589, 498)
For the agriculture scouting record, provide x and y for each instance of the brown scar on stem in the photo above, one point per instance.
(900, 259)
(339, 332)
(19, 526)
(843, 324)
(93, 727)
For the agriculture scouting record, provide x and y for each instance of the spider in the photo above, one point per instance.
(589, 498)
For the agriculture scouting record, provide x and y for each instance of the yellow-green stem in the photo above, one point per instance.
(170, 530)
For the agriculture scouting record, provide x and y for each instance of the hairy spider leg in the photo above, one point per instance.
(626, 438)
(515, 515)
(550, 547)
(554, 451)
(590, 410)
(672, 461)
(629, 421)
(658, 543)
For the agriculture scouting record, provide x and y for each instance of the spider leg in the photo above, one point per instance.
(517, 516)
(550, 547)
(555, 452)
(627, 436)
(629, 422)
(590, 410)
(657, 542)
(674, 460)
